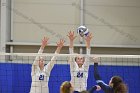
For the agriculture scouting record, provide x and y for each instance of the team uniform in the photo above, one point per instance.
(91, 90)
(79, 75)
(106, 88)
(40, 78)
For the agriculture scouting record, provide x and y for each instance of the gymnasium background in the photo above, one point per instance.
(115, 25)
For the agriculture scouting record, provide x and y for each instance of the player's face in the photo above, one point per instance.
(80, 60)
(41, 62)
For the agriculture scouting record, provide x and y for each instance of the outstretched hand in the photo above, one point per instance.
(94, 59)
(98, 88)
(44, 42)
(60, 43)
(71, 35)
(88, 39)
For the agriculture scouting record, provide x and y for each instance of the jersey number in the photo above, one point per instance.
(41, 77)
(79, 75)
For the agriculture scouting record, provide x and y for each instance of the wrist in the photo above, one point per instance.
(71, 41)
(42, 47)
(59, 48)
(71, 45)
(88, 46)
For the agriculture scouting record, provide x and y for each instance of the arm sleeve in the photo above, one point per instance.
(71, 51)
(35, 63)
(72, 59)
(98, 79)
(88, 51)
(91, 90)
(87, 61)
(50, 65)
(96, 73)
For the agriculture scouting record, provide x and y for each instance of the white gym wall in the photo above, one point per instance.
(114, 24)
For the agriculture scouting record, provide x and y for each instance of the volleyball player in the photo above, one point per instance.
(116, 84)
(79, 65)
(66, 87)
(41, 72)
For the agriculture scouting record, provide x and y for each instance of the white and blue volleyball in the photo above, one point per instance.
(82, 31)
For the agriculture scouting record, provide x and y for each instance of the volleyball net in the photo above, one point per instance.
(16, 69)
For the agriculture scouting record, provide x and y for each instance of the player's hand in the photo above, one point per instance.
(94, 59)
(71, 35)
(98, 87)
(44, 42)
(60, 43)
(88, 39)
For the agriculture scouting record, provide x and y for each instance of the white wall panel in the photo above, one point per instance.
(113, 22)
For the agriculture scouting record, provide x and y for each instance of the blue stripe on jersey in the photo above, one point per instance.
(100, 81)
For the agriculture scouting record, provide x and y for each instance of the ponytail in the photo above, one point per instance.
(65, 87)
(121, 88)
(118, 85)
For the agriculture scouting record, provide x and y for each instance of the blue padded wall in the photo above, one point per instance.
(16, 78)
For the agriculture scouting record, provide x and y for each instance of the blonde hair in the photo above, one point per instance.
(65, 87)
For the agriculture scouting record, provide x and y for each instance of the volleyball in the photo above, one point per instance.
(82, 31)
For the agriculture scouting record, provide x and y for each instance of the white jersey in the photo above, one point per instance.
(79, 75)
(40, 78)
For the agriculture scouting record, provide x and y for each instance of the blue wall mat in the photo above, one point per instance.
(21, 78)
(130, 74)
(5, 78)
(16, 78)
(59, 74)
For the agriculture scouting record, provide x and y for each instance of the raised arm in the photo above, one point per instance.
(71, 38)
(71, 48)
(88, 39)
(97, 77)
(36, 61)
(50, 65)
(60, 44)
